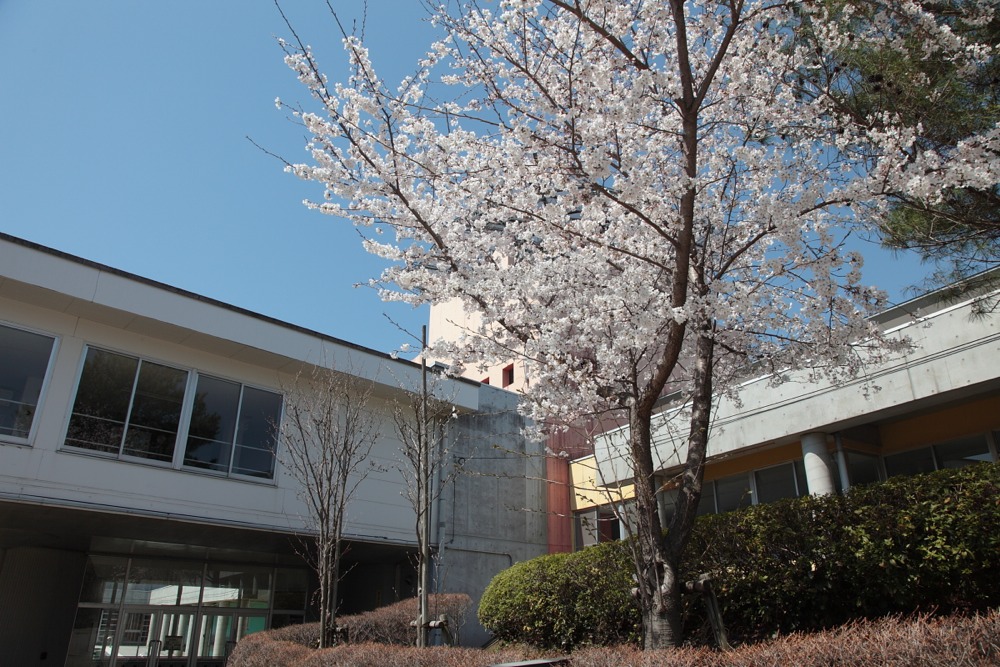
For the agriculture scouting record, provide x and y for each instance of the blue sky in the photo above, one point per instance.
(123, 128)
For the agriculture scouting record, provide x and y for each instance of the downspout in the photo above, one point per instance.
(435, 514)
(845, 478)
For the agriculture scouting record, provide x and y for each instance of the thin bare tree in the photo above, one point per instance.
(327, 437)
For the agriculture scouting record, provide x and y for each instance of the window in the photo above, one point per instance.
(862, 468)
(597, 525)
(951, 454)
(508, 375)
(732, 493)
(962, 452)
(778, 482)
(24, 363)
(787, 480)
(910, 463)
(232, 428)
(485, 380)
(126, 406)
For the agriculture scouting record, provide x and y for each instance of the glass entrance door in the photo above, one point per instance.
(177, 637)
(163, 634)
(140, 612)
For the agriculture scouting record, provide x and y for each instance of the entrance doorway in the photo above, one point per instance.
(177, 637)
(146, 612)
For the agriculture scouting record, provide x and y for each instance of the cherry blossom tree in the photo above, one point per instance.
(636, 196)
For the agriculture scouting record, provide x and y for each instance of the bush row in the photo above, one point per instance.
(912, 543)
(385, 625)
(966, 641)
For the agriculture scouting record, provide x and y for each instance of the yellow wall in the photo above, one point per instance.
(751, 461)
(927, 428)
(587, 492)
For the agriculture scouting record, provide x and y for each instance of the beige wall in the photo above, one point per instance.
(450, 321)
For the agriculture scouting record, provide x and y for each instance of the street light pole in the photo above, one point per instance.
(423, 495)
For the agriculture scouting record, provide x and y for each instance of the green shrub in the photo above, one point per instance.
(927, 542)
(564, 600)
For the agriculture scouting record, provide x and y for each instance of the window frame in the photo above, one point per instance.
(181, 438)
(121, 454)
(507, 376)
(228, 473)
(43, 388)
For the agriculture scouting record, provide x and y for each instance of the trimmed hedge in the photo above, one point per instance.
(564, 600)
(386, 625)
(927, 542)
(922, 641)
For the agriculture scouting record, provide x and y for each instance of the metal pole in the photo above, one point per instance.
(424, 497)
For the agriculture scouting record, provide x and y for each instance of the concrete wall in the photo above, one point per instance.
(492, 511)
(38, 595)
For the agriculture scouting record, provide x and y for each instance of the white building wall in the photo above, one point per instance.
(952, 355)
(149, 509)
(83, 304)
(44, 472)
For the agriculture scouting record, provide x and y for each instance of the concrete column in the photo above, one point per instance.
(818, 464)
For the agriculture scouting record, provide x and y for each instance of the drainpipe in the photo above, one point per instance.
(435, 513)
(845, 479)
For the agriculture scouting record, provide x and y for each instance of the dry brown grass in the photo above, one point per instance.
(922, 641)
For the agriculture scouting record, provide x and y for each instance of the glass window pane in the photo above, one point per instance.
(234, 586)
(103, 579)
(733, 492)
(608, 525)
(962, 452)
(163, 583)
(706, 505)
(156, 412)
(290, 589)
(24, 359)
(136, 631)
(802, 482)
(260, 413)
(862, 468)
(175, 634)
(213, 424)
(585, 528)
(92, 641)
(910, 463)
(775, 483)
(247, 624)
(102, 400)
(216, 630)
(283, 620)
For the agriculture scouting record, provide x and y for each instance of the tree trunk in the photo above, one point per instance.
(329, 578)
(662, 627)
(659, 585)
